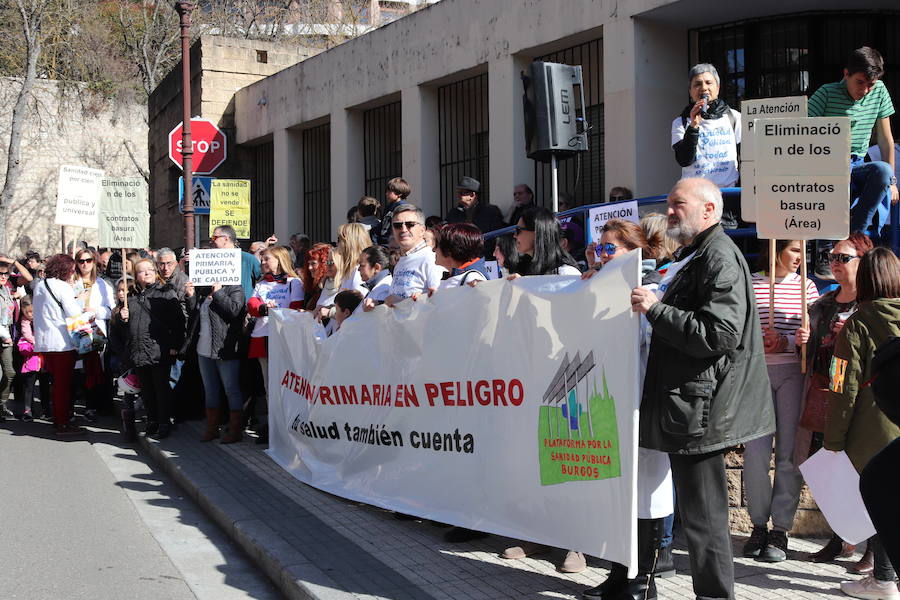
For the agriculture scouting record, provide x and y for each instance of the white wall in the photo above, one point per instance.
(449, 41)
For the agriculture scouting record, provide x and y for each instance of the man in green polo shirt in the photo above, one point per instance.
(861, 96)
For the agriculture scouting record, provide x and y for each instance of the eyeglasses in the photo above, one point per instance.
(82, 261)
(398, 225)
(521, 228)
(609, 249)
(4, 273)
(215, 237)
(838, 257)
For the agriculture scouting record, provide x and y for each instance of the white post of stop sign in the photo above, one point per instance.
(803, 178)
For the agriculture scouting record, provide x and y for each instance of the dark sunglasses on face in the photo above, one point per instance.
(838, 257)
(82, 261)
(399, 225)
(520, 229)
(610, 249)
(4, 273)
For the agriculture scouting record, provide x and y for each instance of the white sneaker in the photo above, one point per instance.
(870, 588)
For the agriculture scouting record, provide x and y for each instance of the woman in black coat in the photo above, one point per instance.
(155, 335)
(215, 329)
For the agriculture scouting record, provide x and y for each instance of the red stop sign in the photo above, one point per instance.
(208, 142)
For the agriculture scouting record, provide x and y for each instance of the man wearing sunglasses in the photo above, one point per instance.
(706, 387)
(415, 272)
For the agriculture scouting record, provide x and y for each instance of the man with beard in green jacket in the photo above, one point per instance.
(706, 387)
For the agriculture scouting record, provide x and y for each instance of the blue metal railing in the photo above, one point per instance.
(892, 237)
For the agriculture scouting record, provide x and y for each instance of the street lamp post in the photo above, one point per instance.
(184, 9)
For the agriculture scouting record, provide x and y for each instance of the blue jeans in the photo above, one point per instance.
(218, 376)
(870, 182)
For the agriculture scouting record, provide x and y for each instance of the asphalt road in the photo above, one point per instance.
(91, 518)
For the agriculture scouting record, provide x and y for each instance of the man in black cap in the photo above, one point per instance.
(469, 209)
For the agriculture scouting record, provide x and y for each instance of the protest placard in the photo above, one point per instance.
(492, 268)
(230, 205)
(786, 107)
(216, 265)
(597, 217)
(77, 196)
(524, 438)
(123, 218)
(803, 178)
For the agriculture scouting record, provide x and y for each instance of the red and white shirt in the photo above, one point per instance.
(788, 310)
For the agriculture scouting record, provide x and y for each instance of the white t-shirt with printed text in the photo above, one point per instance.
(716, 157)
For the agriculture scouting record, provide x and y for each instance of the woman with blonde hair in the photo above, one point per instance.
(654, 226)
(353, 238)
(279, 288)
(95, 294)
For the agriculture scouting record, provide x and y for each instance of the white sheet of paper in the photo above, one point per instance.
(834, 483)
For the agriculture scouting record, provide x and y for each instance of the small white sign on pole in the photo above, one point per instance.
(787, 107)
(492, 268)
(597, 217)
(78, 196)
(217, 265)
(803, 178)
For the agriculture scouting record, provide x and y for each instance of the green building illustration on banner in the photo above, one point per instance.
(578, 436)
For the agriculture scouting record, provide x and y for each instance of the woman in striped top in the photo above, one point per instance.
(766, 499)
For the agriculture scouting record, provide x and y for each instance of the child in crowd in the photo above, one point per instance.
(120, 358)
(344, 304)
(31, 363)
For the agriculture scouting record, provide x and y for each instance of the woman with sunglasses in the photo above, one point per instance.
(654, 485)
(94, 294)
(538, 241)
(826, 319)
(855, 423)
(767, 498)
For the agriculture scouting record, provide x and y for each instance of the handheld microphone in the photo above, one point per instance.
(705, 98)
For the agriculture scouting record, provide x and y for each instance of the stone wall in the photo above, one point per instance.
(65, 126)
(219, 67)
(809, 522)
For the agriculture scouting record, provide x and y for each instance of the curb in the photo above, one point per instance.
(292, 573)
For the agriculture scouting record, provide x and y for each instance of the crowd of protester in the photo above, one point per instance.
(718, 370)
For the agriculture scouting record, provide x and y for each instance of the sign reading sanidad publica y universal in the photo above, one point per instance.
(216, 265)
(78, 194)
(803, 178)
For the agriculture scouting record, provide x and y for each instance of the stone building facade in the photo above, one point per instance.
(219, 67)
(64, 127)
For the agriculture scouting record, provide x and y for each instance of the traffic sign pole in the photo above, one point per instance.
(187, 149)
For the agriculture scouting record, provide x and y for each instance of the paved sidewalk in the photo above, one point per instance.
(317, 546)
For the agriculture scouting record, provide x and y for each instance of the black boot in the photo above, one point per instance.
(643, 587)
(665, 566)
(613, 585)
(129, 432)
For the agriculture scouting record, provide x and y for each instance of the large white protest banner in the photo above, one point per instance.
(77, 196)
(598, 216)
(216, 265)
(786, 107)
(510, 408)
(803, 178)
(123, 218)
